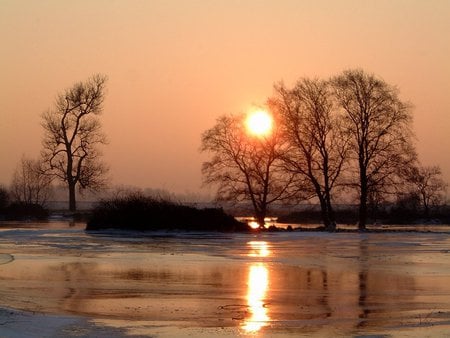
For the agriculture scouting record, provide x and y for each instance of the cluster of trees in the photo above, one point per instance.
(349, 133)
(70, 153)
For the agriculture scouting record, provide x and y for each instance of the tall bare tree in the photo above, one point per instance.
(317, 145)
(428, 184)
(72, 135)
(378, 124)
(30, 184)
(243, 167)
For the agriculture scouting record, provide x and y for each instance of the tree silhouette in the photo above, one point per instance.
(72, 135)
(30, 184)
(245, 168)
(378, 124)
(429, 186)
(317, 145)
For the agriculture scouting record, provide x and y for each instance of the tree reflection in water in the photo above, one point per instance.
(258, 284)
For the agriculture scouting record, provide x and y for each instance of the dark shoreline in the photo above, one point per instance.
(272, 229)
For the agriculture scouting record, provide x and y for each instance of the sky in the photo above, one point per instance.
(174, 66)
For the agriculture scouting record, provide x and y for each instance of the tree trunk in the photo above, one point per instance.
(260, 216)
(72, 197)
(260, 221)
(362, 215)
(331, 217)
(426, 209)
(362, 208)
(324, 212)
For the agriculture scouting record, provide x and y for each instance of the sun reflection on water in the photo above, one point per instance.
(258, 284)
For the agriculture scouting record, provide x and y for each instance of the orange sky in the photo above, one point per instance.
(174, 66)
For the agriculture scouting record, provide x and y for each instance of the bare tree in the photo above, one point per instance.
(243, 167)
(428, 184)
(378, 123)
(30, 184)
(317, 146)
(72, 135)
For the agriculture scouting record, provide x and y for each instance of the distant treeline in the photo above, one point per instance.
(389, 214)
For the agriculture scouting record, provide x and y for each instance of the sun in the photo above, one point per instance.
(253, 224)
(259, 123)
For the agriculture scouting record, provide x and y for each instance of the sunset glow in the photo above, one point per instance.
(259, 123)
(209, 168)
(202, 59)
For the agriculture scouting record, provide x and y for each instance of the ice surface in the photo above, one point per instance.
(202, 284)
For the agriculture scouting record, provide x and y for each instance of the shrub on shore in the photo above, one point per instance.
(142, 213)
(25, 211)
(19, 210)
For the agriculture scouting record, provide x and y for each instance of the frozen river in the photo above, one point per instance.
(177, 284)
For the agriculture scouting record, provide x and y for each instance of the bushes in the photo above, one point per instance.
(25, 211)
(13, 211)
(137, 212)
(19, 210)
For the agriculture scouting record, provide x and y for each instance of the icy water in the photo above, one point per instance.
(198, 284)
